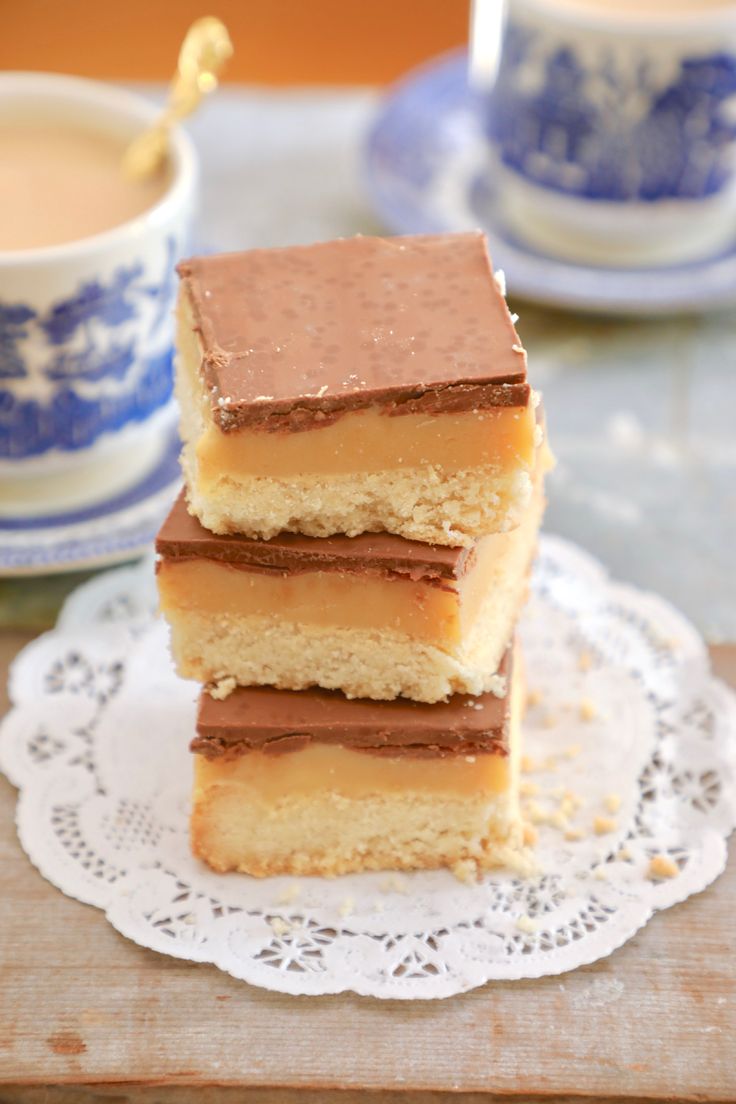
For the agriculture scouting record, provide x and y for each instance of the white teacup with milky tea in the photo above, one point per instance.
(86, 291)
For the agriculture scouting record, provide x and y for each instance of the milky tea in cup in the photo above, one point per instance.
(613, 128)
(87, 289)
(60, 182)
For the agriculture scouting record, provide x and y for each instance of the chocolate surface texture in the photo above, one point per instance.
(278, 721)
(293, 338)
(182, 537)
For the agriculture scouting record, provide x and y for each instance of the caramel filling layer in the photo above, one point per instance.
(368, 441)
(429, 613)
(319, 598)
(364, 440)
(320, 768)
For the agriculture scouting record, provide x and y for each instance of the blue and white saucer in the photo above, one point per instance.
(426, 169)
(116, 529)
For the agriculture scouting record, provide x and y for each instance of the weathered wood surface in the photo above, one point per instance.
(86, 1015)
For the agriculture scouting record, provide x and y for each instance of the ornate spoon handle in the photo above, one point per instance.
(205, 49)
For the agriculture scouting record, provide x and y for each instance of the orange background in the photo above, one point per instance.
(276, 41)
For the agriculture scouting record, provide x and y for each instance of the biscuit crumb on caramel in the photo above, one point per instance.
(222, 688)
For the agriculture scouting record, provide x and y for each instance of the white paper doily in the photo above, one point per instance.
(97, 745)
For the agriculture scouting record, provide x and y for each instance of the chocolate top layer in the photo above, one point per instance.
(277, 721)
(415, 324)
(182, 537)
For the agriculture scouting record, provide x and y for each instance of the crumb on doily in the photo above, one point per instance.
(662, 866)
(289, 895)
(534, 811)
(519, 859)
(572, 751)
(465, 870)
(603, 825)
(533, 698)
(587, 710)
(392, 884)
(623, 855)
(222, 688)
(346, 906)
(555, 818)
(528, 789)
(568, 806)
(530, 835)
(526, 924)
(585, 661)
(279, 926)
(549, 720)
(528, 764)
(574, 834)
(550, 763)
(612, 802)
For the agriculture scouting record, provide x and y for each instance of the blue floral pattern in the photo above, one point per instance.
(605, 130)
(106, 331)
(13, 327)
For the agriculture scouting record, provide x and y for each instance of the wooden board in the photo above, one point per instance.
(90, 1016)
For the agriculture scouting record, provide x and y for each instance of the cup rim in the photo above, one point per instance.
(138, 108)
(577, 14)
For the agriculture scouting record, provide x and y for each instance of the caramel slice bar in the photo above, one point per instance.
(375, 616)
(310, 783)
(359, 385)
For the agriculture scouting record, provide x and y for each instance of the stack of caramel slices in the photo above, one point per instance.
(364, 463)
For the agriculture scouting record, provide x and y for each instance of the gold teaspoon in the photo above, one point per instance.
(204, 51)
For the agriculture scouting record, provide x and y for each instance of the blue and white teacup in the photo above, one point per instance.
(86, 327)
(613, 124)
